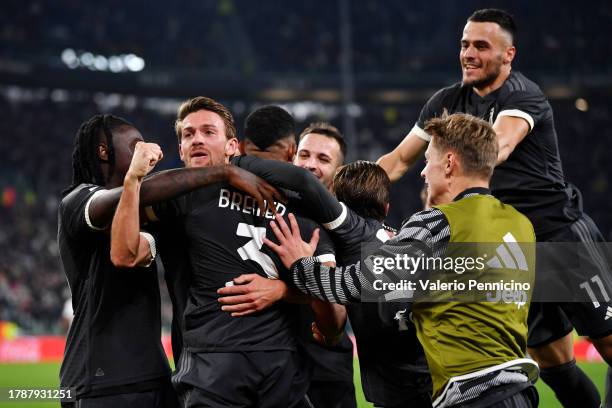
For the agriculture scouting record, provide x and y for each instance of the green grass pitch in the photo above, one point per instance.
(46, 375)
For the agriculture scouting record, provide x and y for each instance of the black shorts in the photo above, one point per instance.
(551, 321)
(266, 379)
(162, 397)
(332, 394)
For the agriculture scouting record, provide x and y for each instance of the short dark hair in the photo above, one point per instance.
(497, 16)
(85, 160)
(267, 125)
(473, 139)
(326, 129)
(203, 103)
(364, 187)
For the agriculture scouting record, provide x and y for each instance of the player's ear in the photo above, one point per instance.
(103, 152)
(509, 54)
(450, 163)
(231, 147)
(291, 152)
(387, 206)
(181, 155)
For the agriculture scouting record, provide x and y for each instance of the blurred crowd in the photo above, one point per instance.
(415, 38)
(36, 146)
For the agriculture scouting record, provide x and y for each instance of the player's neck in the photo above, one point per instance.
(460, 184)
(114, 181)
(496, 84)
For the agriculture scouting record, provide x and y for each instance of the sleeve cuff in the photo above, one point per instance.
(326, 258)
(420, 133)
(516, 113)
(87, 219)
(332, 225)
(152, 247)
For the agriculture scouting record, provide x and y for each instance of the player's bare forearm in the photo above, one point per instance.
(392, 165)
(169, 184)
(510, 132)
(158, 187)
(330, 319)
(125, 229)
(128, 247)
(400, 159)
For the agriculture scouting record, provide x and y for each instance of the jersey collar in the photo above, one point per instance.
(473, 191)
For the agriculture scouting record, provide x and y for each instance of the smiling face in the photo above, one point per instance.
(321, 155)
(486, 53)
(203, 140)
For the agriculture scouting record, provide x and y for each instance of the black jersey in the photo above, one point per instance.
(393, 368)
(329, 363)
(114, 342)
(223, 229)
(172, 250)
(531, 179)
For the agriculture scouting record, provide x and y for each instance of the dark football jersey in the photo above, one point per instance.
(114, 341)
(392, 363)
(531, 179)
(329, 363)
(223, 230)
(172, 250)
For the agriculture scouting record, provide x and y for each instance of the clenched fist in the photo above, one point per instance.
(146, 156)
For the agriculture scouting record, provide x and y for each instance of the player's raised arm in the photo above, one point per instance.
(129, 246)
(400, 159)
(168, 184)
(510, 131)
(323, 207)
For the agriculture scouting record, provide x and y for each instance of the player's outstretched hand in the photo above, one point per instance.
(291, 246)
(146, 156)
(251, 293)
(255, 186)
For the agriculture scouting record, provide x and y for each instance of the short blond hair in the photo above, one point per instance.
(473, 139)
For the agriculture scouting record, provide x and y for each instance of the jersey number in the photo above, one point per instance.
(587, 286)
(252, 249)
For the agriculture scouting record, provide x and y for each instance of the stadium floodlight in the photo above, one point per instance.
(134, 63)
(101, 63)
(87, 60)
(115, 64)
(70, 58)
(95, 62)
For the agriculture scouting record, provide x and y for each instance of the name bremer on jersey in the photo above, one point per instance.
(247, 204)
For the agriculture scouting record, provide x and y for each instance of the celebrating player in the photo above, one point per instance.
(475, 350)
(528, 176)
(223, 229)
(270, 132)
(113, 353)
